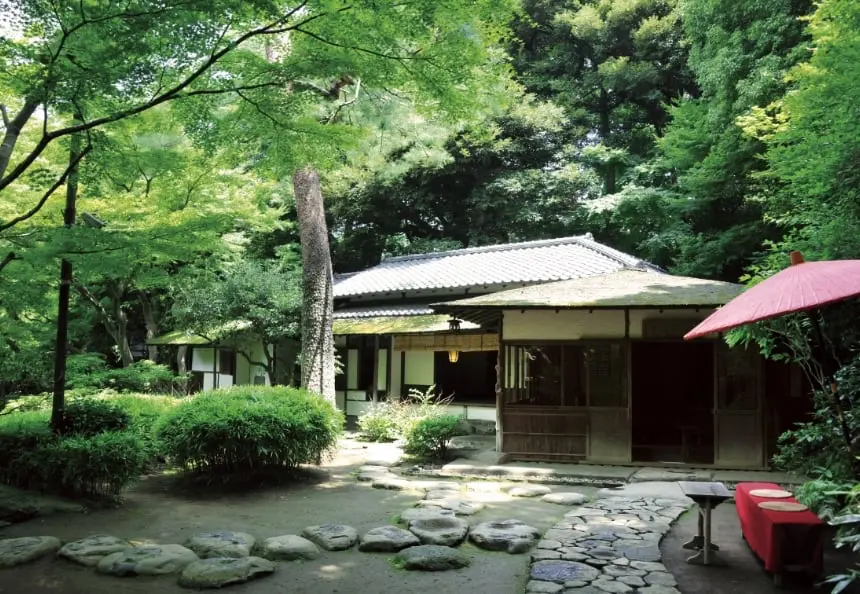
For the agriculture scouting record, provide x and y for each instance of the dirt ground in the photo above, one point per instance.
(155, 511)
(744, 573)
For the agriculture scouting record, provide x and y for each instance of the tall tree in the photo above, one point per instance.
(317, 287)
(613, 65)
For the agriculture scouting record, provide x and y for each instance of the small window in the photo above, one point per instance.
(227, 361)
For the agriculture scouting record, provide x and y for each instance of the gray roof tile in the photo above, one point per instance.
(527, 262)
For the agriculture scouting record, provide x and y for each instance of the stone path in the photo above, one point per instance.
(608, 546)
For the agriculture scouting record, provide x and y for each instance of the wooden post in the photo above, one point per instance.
(500, 390)
(402, 375)
(374, 394)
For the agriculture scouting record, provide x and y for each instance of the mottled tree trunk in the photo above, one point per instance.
(13, 128)
(149, 306)
(317, 306)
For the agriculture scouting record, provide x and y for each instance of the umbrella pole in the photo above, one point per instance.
(829, 359)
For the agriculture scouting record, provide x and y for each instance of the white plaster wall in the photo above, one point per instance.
(340, 399)
(420, 367)
(382, 369)
(547, 324)
(396, 374)
(352, 369)
(202, 359)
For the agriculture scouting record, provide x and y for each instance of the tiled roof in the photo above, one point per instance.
(397, 325)
(625, 288)
(527, 262)
(379, 311)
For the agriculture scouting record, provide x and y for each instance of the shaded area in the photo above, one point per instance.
(155, 510)
(744, 573)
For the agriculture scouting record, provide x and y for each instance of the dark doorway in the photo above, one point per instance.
(673, 401)
(472, 379)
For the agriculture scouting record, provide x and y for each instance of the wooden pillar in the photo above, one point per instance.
(500, 390)
(374, 394)
(402, 375)
(388, 365)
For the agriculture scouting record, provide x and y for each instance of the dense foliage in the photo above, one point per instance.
(243, 432)
(429, 437)
(85, 464)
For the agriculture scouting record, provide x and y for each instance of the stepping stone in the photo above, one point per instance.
(392, 483)
(431, 558)
(563, 571)
(459, 507)
(442, 494)
(529, 491)
(387, 539)
(435, 486)
(538, 587)
(424, 513)
(609, 585)
(331, 537)
(222, 543)
(445, 531)
(216, 572)
(658, 590)
(15, 551)
(89, 551)
(565, 498)
(147, 560)
(289, 547)
(643, 553)
(512, 536)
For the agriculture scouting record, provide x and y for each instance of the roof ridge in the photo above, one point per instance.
(498, 247)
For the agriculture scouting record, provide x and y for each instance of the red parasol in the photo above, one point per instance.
(801, 286)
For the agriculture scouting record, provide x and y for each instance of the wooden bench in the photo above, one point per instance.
(784, 541)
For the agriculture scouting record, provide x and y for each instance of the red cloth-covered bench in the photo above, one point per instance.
(784, 541)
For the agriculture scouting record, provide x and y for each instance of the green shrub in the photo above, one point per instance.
(89, 416)
(91, 465)
(144, 411)
(243, 431)
(32, 457)
(824, 497)
(429, 437)
(379, 422)
(88, 372)
(393, 419)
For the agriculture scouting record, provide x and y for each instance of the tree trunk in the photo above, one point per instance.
(609, 183)
(114, 321)
(149, 306)
(13, 131)
(59, 399)
(181, 368)
(317, 306)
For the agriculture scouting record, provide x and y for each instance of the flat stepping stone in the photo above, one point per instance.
(147, 560)
(607, 584)
(89, 551)
(424, 513)
(442, 494)
(222, 543)
(387, 539)
(216, 572)
(529, 491)
(15, 551)
(331, 537)
(435, 486)
(512, 536)
(289, 547)
(563, 571)
(444, 530)
(431, 558)
(538, 587)
(391, 483)
(459, 507)
(571, 498)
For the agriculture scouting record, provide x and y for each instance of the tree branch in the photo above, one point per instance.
(5, 115)
(47, 194)
(175, 92)
(5, 261)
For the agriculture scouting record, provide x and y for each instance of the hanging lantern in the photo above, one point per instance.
(453, 356)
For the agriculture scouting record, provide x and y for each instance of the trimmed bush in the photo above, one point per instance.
(144, 411)
(92, 465)
(243, 431)
(429, 437)
(89, 372)
(32, 457)
(89, 416)
(379, 423)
